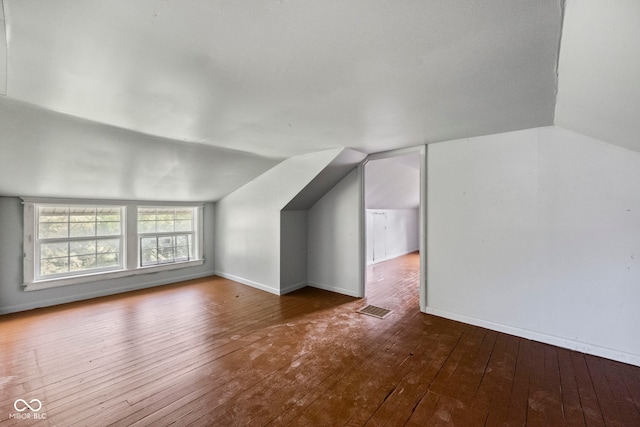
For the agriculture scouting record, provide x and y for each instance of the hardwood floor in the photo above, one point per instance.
(214, 352)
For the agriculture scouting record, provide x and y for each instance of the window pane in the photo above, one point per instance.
(146, 216)
(165, 226)
(149, 257)
(108, 246)
(164, 214)
(54, 265)
(82, 215)
(146, 226)
(182, 253)
(165, 255)
(184, 213)
(87, 247)
(184, 225)
(108, 260)
(54, 250)
(84, 262)
(53, 217)
(108, 228)
(53, 230)
(82, 229)
(149, 243)
(165, 242)
(108, 214)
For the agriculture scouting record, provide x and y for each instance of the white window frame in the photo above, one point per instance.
(130, 242)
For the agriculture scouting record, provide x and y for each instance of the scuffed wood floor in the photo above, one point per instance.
(214, 352)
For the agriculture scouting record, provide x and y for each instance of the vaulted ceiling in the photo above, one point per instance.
(246, 84)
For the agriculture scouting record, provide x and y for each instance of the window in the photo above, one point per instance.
(78, 239)
(166, 235)
(69, 243)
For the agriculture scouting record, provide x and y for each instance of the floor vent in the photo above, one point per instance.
(372, 310)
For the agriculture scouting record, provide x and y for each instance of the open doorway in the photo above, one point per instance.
(393, 227)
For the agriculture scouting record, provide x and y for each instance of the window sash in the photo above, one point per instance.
(168, 224)
(53, 260)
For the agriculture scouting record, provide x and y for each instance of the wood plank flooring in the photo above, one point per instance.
(214, 352)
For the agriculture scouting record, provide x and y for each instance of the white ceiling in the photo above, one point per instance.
(393, 183)
(207, 94)
(280, 78)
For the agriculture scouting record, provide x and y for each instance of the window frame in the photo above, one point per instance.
(69, 239)
(131, 265)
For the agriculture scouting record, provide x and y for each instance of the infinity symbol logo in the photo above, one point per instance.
(27, 405)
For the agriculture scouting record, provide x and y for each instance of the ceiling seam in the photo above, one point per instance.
(563, 5)
(6, 51)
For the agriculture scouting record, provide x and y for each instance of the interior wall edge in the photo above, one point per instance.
(582, 347)
(248, 282)
(337, 289)
(291, 288)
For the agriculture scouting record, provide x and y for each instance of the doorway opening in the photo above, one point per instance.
(394, 228)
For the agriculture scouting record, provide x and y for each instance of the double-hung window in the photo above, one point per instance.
(72, 242)
(166, 234)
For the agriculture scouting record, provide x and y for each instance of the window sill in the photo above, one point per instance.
(95, 277)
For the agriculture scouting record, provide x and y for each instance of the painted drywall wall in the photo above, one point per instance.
(334, 239)
(399, 233)
(293, 250)
(248, 220)
(599, 65)
(14, 298)
(536, 233)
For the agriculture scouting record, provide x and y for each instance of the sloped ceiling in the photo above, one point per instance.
(46, 154)
(393, 183)
(277, 78)
(599, 71)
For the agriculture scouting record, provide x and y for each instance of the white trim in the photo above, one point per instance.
(422, 152)
(394, 256)
(248, 282)
(99, 276)
(574, 345)
(129, 242)
(150, 203)
(416, 149)
(100, 292)
(337, 289)
(362, 231)
(292, 288)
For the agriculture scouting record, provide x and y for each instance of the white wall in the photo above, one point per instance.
(599, 65)
(537, 233)
(400, 235)
(248, 221)
(334, 242)
(293, 250)
(14, 298)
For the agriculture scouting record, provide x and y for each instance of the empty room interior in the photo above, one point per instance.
(319, 213)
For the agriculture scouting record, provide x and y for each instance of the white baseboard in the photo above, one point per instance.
(248, 282)
(620, 356)
(101, 293)
(335, 289)
(398, 255)
(292, 288)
